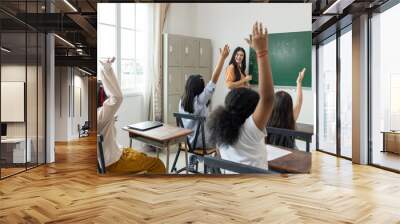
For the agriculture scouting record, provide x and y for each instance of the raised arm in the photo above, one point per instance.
(113, 90)
(206, 95)
(259, 42)
(299, 95)
(223, 54)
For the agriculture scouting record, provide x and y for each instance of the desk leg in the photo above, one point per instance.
(130, 142)
(384, 143)
(308, 146)
(168, 158)
(186, 161)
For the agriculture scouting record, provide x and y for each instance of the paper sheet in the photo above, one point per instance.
(275, 152)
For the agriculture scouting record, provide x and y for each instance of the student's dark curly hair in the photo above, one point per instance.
(224, 123)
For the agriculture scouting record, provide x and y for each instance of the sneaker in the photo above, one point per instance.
(193, 163)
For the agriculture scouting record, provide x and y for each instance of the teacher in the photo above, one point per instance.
(235, 76)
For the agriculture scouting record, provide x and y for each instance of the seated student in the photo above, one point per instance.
(196, 97)
(284, 115)
(116, 159)
(238, 128)
(235, 77)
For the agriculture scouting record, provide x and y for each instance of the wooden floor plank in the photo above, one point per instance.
(71, 191)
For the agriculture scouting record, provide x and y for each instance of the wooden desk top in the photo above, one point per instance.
(14, 140)
(391, 132)
(160, 134)
(294, 162)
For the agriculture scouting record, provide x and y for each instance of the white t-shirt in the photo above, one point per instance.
(249, 149)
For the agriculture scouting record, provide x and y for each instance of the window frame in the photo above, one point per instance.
(334, 37)
(136, 90)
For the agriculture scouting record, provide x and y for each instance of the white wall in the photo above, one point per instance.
(231, 23)
(61, 103)
(181, 19)
(12, 73)
(66, 121)
(33, 127)
(129, 112)
(82, 83)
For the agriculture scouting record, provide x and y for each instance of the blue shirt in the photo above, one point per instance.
(200, 109)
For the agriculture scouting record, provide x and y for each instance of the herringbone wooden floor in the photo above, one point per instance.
(70, 191)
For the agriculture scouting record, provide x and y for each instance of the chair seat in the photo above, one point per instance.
(199, 151)
(197, 131)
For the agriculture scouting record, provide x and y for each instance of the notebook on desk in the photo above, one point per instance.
(146, 125)
(275, 152)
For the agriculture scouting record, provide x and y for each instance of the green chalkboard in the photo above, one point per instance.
(289, 53)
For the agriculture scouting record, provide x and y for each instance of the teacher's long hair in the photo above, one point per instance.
(242, 68)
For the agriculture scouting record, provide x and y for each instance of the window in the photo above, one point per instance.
(385, 88)
(327, 96)
(106, 32)
(334, 106)
(346, 94)
(124, 31)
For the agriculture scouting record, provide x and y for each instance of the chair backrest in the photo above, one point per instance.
(200, 120)
(213, 162)
(101, 166)
(295, 134)
(304, 136)
(86, 125)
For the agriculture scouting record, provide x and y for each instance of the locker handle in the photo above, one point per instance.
(170, 48)
(186, 50)
(201, 51)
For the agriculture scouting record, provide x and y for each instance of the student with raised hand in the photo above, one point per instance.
(117, 159)
(238, 127)
(196, 96)
(284, 115)
(235, 76)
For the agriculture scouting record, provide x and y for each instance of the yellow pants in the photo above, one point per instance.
(132, 161)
